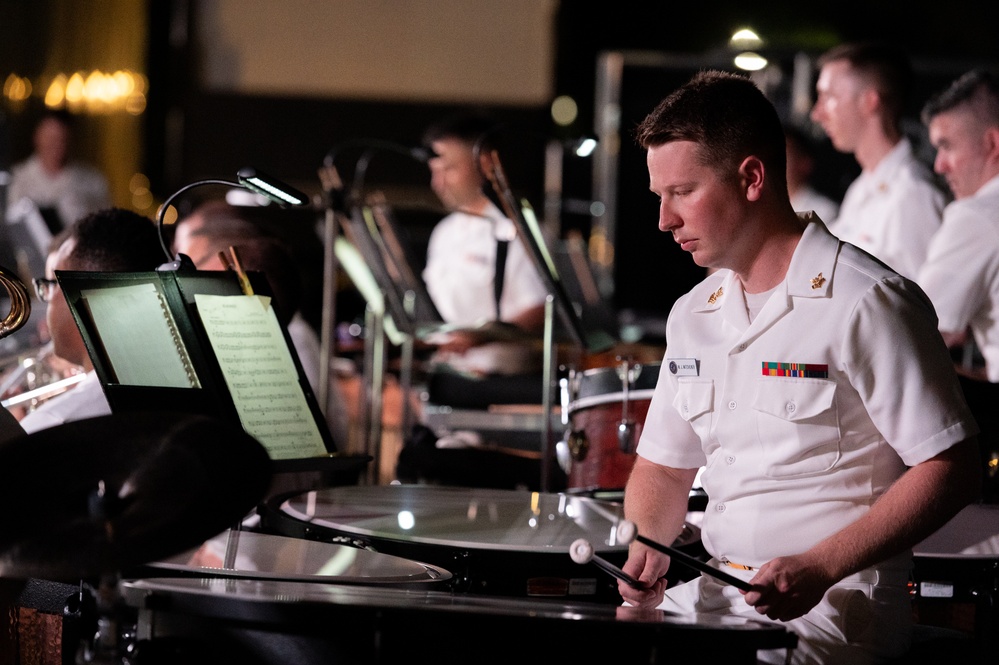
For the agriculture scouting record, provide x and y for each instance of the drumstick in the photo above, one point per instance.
(627, 532)
(582, 552)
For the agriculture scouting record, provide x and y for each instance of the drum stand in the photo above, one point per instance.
(550, 357)
(112, 636)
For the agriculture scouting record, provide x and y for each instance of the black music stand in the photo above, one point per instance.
(158, 340)
(386, 235)
(558, 304)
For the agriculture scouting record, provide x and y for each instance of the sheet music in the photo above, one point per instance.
(262, 377)
(140, 337)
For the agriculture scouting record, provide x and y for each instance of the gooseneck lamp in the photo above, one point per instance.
(247, 178)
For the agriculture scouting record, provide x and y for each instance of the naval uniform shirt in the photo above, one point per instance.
(805, 416)
(961, 273)
(460, 276)
(893, 210)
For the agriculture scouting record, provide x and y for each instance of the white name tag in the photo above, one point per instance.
(682, 366)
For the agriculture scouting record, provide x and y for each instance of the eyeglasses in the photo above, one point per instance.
(43, 287)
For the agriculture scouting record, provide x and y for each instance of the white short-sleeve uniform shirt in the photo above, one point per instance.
(461, 269)
(805, 416)
(961, 273)
(461, 274)
(893, 210)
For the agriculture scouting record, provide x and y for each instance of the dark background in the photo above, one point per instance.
(291, 136)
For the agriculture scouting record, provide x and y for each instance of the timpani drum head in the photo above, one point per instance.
(260, 556)
(504, 542)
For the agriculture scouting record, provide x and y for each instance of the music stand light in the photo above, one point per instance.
(246, 178)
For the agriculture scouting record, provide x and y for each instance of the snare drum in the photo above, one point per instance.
(607, 407)
(498, 542)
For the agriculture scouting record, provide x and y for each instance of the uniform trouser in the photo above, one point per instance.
(866, 618)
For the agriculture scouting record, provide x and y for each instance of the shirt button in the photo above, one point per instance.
(720, 507)
(790, 407)
(742, 347)
(732, 405)
(730, 459)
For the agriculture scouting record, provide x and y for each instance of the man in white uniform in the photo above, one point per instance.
(961, 273)
(114, 240)
(807, 380)
(893, 208)
(467, 276)
(53, 180)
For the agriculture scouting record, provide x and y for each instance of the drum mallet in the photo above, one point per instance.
(582, 552)
(627, 532)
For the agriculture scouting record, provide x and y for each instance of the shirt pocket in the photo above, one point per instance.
(797, 425)
(694, 401)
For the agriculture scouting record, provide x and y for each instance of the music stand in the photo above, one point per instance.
(191, 341)
(386, 235)
(557, 304)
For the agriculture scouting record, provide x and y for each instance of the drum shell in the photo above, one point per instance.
(955, 576)
(596, 410)
(201, 622)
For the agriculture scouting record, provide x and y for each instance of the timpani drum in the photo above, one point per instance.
(497, 542)
(208, 621)
(252, 555)
(607, 407)
(956, 575)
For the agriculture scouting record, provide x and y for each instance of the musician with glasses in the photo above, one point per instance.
(110, 240)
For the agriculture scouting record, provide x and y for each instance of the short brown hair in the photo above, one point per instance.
(887, 68)
(726, 114)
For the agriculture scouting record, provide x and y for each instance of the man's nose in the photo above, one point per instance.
(667, 220)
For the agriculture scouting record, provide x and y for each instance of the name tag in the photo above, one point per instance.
(682, 366)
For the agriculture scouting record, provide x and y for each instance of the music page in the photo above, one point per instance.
(140, 337)
(262, 377)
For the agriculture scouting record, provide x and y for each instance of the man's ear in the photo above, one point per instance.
(485, 162)
(870, 99)
(991, 142)
(752, 175)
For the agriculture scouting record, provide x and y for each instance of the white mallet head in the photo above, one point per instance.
(626, 532)
(581, 551)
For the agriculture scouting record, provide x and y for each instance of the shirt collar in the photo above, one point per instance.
(809, 274)
(881, 176)
(991, 186)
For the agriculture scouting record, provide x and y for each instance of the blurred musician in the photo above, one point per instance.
(63, 188)
(961, 273)
(477, 270)
(214, 227)
(111, 240)
(893, 208)
(852, 445)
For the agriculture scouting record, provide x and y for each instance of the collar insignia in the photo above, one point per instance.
(818, 281)
(715, 296)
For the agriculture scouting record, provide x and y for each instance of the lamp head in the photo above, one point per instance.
(275, 190)
(248, 178)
